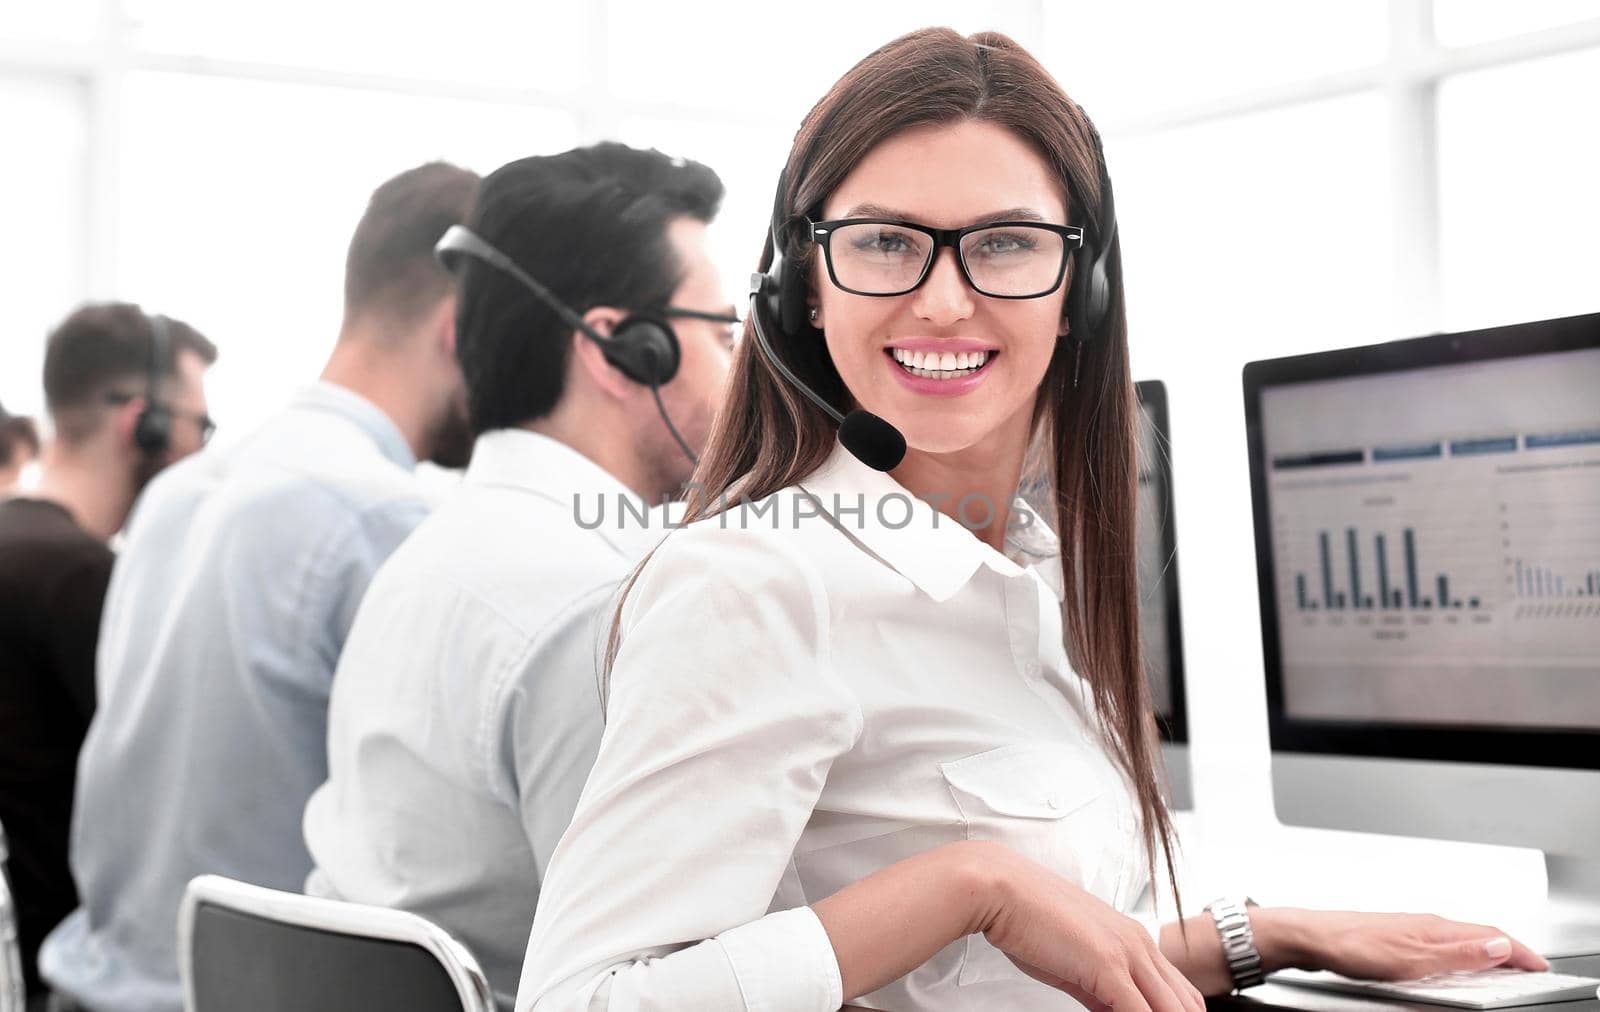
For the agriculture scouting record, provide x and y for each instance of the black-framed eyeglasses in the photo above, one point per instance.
(731, 320)
(206, 424)
(1000, 259)
(730, 317)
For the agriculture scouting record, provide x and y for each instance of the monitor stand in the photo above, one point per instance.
(1573, 926)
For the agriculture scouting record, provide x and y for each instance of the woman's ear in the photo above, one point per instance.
(815, 276)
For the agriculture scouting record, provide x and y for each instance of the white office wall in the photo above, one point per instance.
(1290, 177)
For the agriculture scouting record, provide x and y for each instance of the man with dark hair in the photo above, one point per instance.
(19, 447)
(115, 379)
(230, 604)
(466, 711)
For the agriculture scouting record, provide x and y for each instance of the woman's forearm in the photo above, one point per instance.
(1197, 952)
(894, 920)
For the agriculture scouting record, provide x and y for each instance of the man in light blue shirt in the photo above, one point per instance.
(229, 606)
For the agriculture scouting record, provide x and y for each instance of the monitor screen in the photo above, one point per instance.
(1159, 621)
(1428, 545)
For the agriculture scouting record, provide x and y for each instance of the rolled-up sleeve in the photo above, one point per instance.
(723, 720)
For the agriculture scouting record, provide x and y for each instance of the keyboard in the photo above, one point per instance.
(1485, 989)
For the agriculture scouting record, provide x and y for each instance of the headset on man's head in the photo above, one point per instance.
(643, 347)
(152, 431)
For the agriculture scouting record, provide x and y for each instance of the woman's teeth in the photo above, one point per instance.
(940, 365)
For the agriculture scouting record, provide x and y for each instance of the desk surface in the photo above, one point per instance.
(1282, 997)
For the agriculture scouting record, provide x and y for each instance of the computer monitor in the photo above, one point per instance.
(1427, 527)
(1160, 625)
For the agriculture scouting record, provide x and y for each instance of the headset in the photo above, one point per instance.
(643, 347)
(152, 431)
(778, 300)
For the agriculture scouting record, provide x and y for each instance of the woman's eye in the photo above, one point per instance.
(1001, 244)
(884, 242)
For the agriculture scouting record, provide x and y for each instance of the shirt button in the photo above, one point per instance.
(1031, 670)
(1054, 803)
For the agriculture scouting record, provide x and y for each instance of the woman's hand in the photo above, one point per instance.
(1061, 935)
(1383, 946)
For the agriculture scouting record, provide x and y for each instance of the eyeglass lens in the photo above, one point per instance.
(1016, 261)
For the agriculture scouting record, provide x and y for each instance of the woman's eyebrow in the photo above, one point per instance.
(880, 211)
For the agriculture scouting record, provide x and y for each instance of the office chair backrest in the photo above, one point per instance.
(13, 998)
(242, 948)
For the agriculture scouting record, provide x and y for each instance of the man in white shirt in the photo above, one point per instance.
(466, 711)
(230, 603)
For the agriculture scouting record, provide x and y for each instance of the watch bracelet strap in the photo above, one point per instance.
(1238, 943)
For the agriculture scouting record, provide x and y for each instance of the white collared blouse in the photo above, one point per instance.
(809, 689)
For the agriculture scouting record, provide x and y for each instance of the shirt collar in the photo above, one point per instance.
(933, 551)
(533, 462)
(365, 415)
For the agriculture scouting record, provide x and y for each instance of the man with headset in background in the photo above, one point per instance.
(19, 446)
(230, 604)
(125, 395)
(595, 336)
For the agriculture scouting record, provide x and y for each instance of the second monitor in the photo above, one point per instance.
(1427, 521)
(1160, 618)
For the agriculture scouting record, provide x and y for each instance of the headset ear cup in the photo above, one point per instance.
(645, 349)
(1078, 293)
(1089, 299)
(769, 297)
(786, 290)
(1099, 299)
(152, 430)
(769, 302)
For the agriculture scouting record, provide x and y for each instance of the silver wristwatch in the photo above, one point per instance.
(1238, 942)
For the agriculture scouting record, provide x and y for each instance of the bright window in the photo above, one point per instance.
(43, 255)
(238, 199)
(1256, 236)
(535, 45)
(1127, 59)
(1519, 207)
(58, 21)
(774, 60)
(1463, 22)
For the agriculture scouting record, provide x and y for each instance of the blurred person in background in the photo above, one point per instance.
(19, 447)
(469, 684)
(230, 604)
(125, 397)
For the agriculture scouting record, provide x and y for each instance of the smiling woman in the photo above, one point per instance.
(909, 760)
(931, 211)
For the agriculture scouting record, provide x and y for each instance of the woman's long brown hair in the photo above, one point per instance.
(767, 437)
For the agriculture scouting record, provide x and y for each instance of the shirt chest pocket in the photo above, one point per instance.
(1058, 804)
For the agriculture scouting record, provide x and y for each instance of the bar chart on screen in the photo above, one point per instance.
(1412, 564)
(1385, 558)
(1406, 591)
